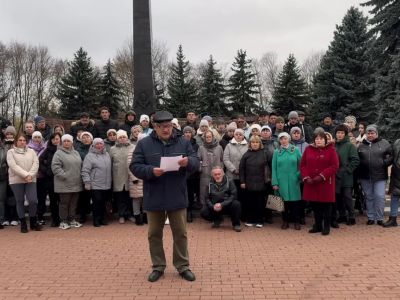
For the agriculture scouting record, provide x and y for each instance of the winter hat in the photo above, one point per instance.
(88, 134)
(349, 119)
(238, 130)
(231, 126)
(342, 127)
(207, 118)
(283, 134)
(176, 123)
(293, 115)
(121, 133)
(188, 129)
(204, 123)
(97, 141)
(67, 137)
(266, 127)
(38, 119)
(318, 130)
(294, 129)
(372, 127)
(37, 133)
(137, 127)
(10, 129)
(255, 126)
(144, 117)
(111, 130)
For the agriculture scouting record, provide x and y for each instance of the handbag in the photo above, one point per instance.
(275, 202)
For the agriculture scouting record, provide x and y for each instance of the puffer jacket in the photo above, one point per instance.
(102, 126)
(252, 170)
(301, 145)
(233, 153)
(66, 167)
(210, 155)
(375, 158)
(394, 186)
(135, 184)
(21, 163)
(119, 155)
(96, 169)
(45, 160)
(348, 163)
(224, 192)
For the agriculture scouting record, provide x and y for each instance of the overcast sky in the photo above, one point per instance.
(203, 27)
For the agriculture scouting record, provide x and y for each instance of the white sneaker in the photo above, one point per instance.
(14, 223)
(132, 219)
(259, 225)
(249, 224)
(167, 221)
(64, 225)
(5, 223)
(121, 220)
(75, 224)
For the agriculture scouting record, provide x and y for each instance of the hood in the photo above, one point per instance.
(92, 149)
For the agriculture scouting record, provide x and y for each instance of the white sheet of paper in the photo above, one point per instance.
(170, 163)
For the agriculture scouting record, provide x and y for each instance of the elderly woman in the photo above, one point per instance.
(252, 180)
(221, 199)
(210, 155)
(298, 139)
(96, 175)
(119, 156)
(23, 166)
(37, 143)
(319, 165)
(255, 129)
(286, 179)
(376, 155)
(110, 140)
(233, 153)
(66, 167)
(226, 138)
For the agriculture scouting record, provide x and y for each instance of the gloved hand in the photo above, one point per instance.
(88, 186)
(318, 179)
(309, 181)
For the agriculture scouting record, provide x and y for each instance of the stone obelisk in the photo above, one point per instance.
(143, 87)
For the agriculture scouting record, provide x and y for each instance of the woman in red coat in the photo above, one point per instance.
(318, 167)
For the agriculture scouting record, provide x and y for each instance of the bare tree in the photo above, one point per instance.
(5, 82)
(310, 66)
(267, 69)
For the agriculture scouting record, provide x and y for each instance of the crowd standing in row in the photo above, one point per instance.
(227, 168)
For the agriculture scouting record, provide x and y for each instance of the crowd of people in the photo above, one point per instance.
(90, 170)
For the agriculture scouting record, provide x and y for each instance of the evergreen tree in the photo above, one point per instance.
(110, 90)
(242, 86)
(344, 83)
(290, 91)
(181, 88)
(78, 88)
(386, 26)
(212, 91)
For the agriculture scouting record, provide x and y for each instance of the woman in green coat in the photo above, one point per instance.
(286, 179)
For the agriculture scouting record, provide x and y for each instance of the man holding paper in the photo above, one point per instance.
(164, 191)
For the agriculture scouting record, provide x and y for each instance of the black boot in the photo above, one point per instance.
(24, 226)
(327, 228)
(189, 216)
(315, 229)
(144, 218)
(392, 222)
(34, 224)
(342, 219)
(139, 219)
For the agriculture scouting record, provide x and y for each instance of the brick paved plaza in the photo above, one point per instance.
(113, 263)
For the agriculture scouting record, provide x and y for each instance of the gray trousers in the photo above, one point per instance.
(3, 199)
(28, 190)
(67, 206)
(136, 204)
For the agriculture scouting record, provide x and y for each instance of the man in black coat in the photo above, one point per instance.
(222, 199)
(104, 124)
(165, 192)
(84, 124)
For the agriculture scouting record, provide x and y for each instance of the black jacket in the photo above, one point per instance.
(3, 163)
(79, 126)
(45, 161)
(252, 170)
(46, 132)
(224, 192)
(375, 158)
(394, 186)
(225, 141)
(101, 127)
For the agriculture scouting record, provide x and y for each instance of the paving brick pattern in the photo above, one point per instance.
(112, 262)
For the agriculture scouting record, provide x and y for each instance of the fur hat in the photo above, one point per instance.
(97, 141)
(37, 133)
(111, 130)
(87, 133)
(238, 130)
(255, 126)
(231, 126)
(121, 133)
(204, 123)
(294, 129)
(10, 129)
(144, 117)
(67, 137)
(266, 127)
(284, 134)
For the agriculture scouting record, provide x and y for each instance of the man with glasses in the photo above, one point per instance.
(164, 192)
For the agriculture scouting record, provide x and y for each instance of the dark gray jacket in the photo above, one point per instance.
(394, 186)
(375, 158)
(224, 192)
(3, 163)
